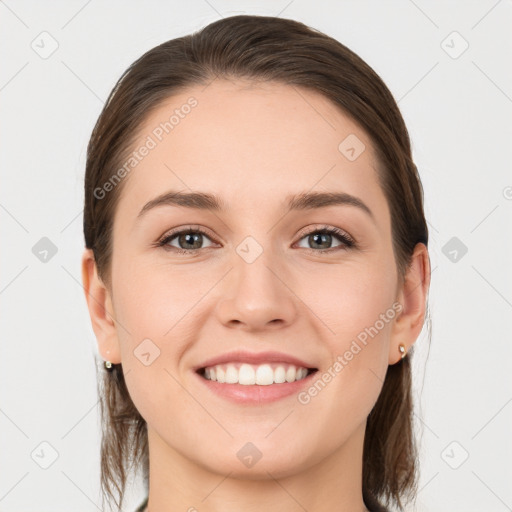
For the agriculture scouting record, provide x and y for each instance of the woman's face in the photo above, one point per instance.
(257, 281)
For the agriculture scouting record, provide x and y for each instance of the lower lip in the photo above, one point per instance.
(256, 394)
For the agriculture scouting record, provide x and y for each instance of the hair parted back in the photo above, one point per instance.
(260, 48)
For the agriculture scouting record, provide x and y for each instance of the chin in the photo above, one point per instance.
(250, 464)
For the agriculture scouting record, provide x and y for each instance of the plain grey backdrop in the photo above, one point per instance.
(448, 64)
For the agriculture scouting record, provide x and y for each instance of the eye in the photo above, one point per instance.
(324, 237)
(189, 240)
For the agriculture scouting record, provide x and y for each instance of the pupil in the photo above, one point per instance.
(325, 236)
(190, 238)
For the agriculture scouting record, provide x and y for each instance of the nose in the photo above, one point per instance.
(257, 296)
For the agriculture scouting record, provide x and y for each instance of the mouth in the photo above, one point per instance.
(248, 384)
(245, 374)
(254, 378)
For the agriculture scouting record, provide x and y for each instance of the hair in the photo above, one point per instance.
(267, 49)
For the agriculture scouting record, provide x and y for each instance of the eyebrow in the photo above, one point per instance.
(296, 202)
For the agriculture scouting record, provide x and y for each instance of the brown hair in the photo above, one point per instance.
(260, 48)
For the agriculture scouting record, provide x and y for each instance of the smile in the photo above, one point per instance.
(249, 384)
(250, 374)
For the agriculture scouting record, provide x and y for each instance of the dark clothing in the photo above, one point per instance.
(371, 505)
(142, 506)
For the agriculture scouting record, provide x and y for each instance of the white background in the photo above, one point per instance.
(458, 111)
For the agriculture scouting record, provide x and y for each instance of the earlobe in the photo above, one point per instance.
(100, 308)
(412, 296)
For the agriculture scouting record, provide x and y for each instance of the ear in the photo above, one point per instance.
(100, 310)
(412, 295)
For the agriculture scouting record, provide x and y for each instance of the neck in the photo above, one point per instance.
(333, 483)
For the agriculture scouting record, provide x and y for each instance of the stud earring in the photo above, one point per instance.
(402, 350)
(108, 366)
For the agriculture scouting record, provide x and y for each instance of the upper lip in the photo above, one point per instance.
(253, 358)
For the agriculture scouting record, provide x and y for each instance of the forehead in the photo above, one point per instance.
(249, 142)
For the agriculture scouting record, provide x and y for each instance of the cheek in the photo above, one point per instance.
(153, 311)
(350, 299)
(357, 307)
(161, 303)
(154, 301)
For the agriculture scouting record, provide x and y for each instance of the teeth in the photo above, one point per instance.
(249, 375)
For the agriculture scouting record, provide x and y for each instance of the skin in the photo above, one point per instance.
(253, 145)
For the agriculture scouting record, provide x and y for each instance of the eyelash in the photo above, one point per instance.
(341, 235)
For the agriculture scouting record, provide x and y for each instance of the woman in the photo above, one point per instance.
(256, 272)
